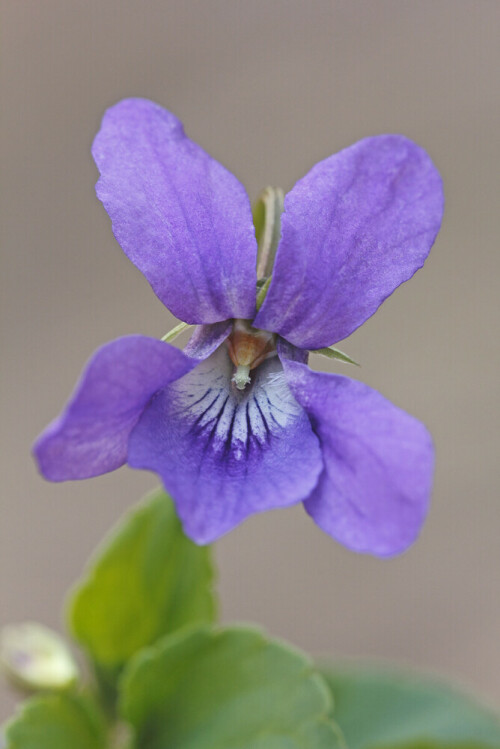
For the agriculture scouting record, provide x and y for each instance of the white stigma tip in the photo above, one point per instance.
(241, 377)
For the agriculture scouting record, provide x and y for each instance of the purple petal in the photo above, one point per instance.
(354, 228)
(90, 437)
(224, 454)
(374, 493)
(207, 338)
(181, 218)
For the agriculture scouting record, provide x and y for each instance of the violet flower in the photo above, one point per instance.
(238, 423)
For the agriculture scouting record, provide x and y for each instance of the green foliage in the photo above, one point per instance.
(56, 721)
(223, 689)
(383, 708)
(168, 680)
(148, 580)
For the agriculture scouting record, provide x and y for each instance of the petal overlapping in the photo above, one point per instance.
(207, 338)
(91, 435)
(179, 215)
(354, 228)
(374, 492)
(224, 454)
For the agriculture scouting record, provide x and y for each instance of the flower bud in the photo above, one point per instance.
(36, 658)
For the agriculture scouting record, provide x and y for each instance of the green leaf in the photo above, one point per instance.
(224, 689)
(146, 581)
(56, 721)
(387, 708)
(335, 353)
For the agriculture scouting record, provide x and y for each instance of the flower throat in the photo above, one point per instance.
(248, 347)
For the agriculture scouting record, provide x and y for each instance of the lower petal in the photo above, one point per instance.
(90, 437)
(225, 454)
(374, 492)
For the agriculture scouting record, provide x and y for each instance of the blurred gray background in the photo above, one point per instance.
(268, 87)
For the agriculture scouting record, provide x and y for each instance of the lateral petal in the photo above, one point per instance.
(90, 436)
(374, 492)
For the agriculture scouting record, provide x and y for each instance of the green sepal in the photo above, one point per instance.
(225, 688)
(383, 707)
(57, 721)
(147, 580)
(335, 353)
(267, 223)
(262, 292)
(172, 334)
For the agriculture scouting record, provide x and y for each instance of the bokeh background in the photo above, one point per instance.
(268, 87)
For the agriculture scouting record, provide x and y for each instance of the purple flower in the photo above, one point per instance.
(238, 423)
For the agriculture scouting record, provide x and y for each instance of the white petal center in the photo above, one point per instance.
(231, 419)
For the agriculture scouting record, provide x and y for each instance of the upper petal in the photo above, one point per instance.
(374, 493)
(181, 218)
(223, 454)
(354, 228)
(90, 437)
